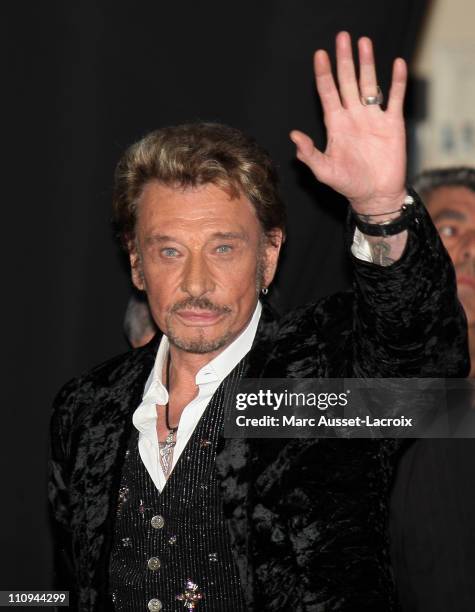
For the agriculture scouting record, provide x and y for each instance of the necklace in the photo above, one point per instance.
(166, 448)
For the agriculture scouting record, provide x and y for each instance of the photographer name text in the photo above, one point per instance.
(322, 421)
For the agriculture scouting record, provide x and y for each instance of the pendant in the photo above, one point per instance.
(166, 453)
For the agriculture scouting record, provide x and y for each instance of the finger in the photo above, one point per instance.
(310, 155)
(368, 78)
(345, 67)
(303, 143)
(398, 86)
(326, 87)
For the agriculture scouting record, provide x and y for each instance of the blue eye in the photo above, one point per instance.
(224, 248)
(170, 252)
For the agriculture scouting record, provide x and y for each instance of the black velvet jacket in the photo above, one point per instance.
(307, 518)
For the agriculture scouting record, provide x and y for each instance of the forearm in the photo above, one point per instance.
(408, 319)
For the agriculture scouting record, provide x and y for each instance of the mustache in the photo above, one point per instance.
(192, 303)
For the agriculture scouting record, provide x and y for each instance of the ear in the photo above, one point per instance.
(136, 268)
(272, 245)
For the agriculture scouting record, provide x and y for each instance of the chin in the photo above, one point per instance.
(199, 344)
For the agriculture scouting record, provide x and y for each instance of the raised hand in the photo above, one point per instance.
(365, 157)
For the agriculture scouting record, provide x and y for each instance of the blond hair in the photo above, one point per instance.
(191, 155)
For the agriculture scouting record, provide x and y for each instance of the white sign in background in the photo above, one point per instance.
(447, 137)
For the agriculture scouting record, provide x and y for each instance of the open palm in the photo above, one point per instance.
(365, 157)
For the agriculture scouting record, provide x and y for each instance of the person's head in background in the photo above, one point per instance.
(449, 195)
(139, 327)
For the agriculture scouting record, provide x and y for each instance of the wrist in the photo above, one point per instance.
(388, 223)
(380, 205)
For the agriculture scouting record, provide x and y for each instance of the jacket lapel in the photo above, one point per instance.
(236, 459)
(107, 430)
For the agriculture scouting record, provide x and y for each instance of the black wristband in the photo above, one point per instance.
(389, 228)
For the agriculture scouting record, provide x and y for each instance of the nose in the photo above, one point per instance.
(197, 280)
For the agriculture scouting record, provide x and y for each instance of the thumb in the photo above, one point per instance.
(303, 143)
(310, 155)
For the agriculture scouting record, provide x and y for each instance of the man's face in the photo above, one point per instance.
(202, 260)
(453, 211)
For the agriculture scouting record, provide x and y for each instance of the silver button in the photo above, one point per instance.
(153, 564)
(157, 521)
(154, 605)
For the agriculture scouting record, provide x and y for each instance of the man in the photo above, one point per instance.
(433, 501)
(449, 195)
(154, 509)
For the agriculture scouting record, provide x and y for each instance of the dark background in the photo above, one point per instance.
(84, 80)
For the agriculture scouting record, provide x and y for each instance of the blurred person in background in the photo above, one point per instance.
(139, 327)
(433, 499)
(449, 195)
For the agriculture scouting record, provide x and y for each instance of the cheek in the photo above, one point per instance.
(452, 246)
(158, 275)
(467, 298)
(240, 280)
(160, 288)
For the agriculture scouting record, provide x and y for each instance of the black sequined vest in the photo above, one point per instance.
(161, 540)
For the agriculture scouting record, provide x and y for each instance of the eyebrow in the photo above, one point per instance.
(229, 235)
(448, 213)
(161, 238)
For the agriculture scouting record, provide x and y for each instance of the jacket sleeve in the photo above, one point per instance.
(407, 318)
(58, 494)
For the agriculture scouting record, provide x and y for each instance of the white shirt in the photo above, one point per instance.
(207, 380)
(361, 247)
